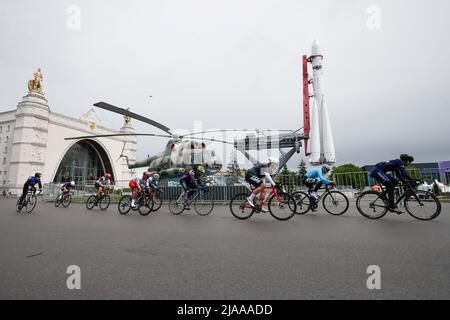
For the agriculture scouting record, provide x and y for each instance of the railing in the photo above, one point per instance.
(223, 188)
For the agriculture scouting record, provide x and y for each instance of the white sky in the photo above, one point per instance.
(234, 64)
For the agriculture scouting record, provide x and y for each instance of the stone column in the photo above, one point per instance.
(129, 150)
(30, 140)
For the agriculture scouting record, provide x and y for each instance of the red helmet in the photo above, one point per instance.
(107, 175)
(147, 174)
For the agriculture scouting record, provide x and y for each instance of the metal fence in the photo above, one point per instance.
(223, 188)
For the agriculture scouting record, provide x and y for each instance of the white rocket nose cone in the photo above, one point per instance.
(315, 48)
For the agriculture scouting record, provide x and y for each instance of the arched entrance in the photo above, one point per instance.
(85, 161)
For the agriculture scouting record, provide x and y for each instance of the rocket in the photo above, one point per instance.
(319, 145)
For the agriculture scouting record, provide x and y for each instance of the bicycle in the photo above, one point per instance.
(281, 205)
(103, 202)
(63, 199)
(334, 202)
(29, 202)
(374, 204)
(143, 204)
(203, 206)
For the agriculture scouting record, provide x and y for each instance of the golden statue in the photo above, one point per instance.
(126, 118)
(35, 85)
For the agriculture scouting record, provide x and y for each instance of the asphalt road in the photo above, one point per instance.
(163, 256)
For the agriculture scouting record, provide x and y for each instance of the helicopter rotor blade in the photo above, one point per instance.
(119, 135)
(124, 112)
(211, 140)
(233, 130)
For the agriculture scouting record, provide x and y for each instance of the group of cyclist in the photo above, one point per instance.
(257, 176)
(315, 178)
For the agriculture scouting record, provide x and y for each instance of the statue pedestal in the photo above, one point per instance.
(29, 140)
(129, 150)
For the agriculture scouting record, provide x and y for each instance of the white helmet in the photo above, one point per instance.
(273, 160)
(156, 176)
(326, 168)
(72, 183)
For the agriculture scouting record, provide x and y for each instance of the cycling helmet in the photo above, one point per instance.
(406, 158)
(200, 169)
(38, 175)
(273, 160)
(326, 168)
(156, 176)
(147, 174)
(72, 183)
(107, 175)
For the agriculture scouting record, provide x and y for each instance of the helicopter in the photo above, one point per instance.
(181, 153)
(185, 152)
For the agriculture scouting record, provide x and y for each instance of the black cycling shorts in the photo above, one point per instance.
(97, 185)
(253, 180)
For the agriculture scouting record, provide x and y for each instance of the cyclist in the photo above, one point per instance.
(152, 182)
(67, 187)
(396, 166)
(315, 178)
(256, 175)
(30, 183)
(190, 181)
(137, 184)
(103, 182)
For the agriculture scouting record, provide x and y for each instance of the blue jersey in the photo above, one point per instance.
(32, 181)
(152, 182)
(67, 186)
(317, 174)
(395, 166)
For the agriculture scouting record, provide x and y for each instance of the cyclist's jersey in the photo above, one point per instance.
(104, 181)
(395, 166)
(138, 181)
(151, 182)
(32, 181)
(256, 170)
(317, 174)
(191, 179)
(67, 186)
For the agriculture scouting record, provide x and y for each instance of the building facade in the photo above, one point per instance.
(32, 140)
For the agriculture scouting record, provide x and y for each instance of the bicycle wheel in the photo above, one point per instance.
(124, 205)
(157, 201)
(31, 203)
(371, 205)
(176, 206)
(302, 201)
(146, 207)
(284, 209)
(335, 203)
(427, 207)
(203, 206)
(58, 201)
(66, 201)
(104, 202)
(91, 202)
(240, 208)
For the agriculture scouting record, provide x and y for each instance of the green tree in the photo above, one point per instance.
(349, 175)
